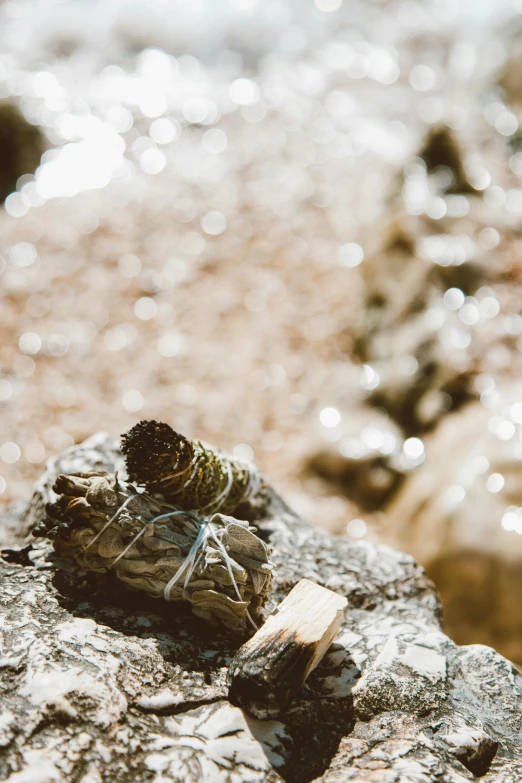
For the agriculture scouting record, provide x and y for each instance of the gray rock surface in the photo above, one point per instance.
(99, 683)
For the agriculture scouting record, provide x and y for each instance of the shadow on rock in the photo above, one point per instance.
(182, 638)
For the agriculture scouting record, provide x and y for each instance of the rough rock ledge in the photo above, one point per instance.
(99, 683)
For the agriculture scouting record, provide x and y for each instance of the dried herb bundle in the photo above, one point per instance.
(187, 472)
(219, 565)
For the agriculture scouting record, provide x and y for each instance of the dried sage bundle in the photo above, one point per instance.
(188, 473)
(219, 565)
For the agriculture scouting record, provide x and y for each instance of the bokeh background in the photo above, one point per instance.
(291, 228)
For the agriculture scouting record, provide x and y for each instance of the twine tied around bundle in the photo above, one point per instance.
(218, 564)
(188, 473)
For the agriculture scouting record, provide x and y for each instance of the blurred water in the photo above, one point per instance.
(71, 62)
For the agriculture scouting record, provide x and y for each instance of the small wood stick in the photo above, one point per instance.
(269, 670)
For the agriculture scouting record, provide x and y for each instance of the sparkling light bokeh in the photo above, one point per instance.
(224, 179)
(234, 230)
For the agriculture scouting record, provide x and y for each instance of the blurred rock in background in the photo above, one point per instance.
(21, 147)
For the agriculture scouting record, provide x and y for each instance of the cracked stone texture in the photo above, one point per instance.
(100, 683)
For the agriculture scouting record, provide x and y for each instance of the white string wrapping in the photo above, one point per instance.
(124, 552)
(207, 530)
(180, 472)
(218, 502)
(111, 520)
(252, 487)
(190, 561)
(214, 562)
